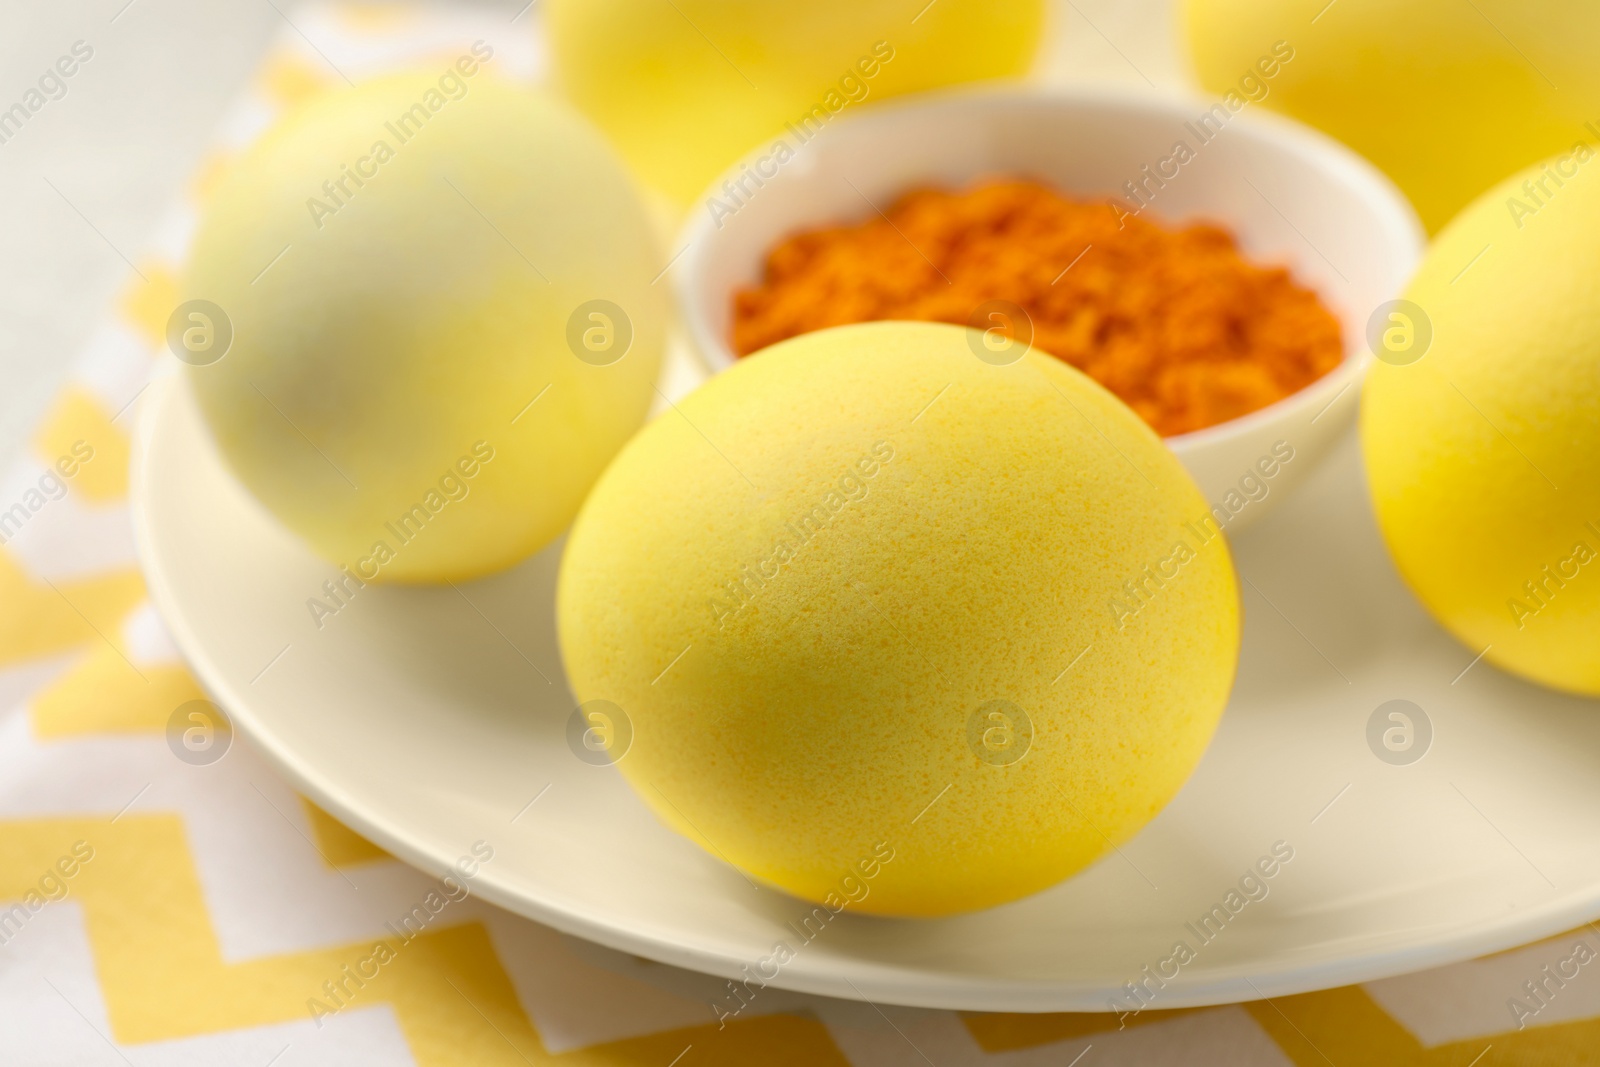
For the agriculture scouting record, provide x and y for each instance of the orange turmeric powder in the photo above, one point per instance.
(1175, 322)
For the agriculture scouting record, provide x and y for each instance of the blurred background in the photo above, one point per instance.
(83, 187)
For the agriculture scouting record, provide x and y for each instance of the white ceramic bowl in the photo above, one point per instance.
(1289, 194)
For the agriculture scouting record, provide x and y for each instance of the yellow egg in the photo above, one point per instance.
(685, 88)
(1446, 96)
(1481, 442)
(426, 323)
(895, 626)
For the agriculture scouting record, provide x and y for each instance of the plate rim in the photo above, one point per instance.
(877, 982)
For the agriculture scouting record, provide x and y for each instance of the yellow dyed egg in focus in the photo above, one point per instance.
(1448, 97)
(431, 300)
(685, 88)
(895, 626)
(1480, 427)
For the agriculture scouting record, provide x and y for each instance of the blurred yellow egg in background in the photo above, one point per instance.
(686, 88)
(880, 612)
(442, 327)
(1480, 425)
(1447, 97)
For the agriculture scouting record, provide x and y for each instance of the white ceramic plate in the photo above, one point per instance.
(429, 718)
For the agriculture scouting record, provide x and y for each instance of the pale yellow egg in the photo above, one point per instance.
(1446, 96)
(442, 322)
(897, 629)
(1481, 426)
(686, 88)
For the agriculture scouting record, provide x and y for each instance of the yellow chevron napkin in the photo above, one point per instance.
(158, 911)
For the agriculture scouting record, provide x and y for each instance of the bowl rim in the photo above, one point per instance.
(1277, 132)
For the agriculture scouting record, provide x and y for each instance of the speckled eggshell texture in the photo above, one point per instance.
(897, 629)
(1482, 440)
